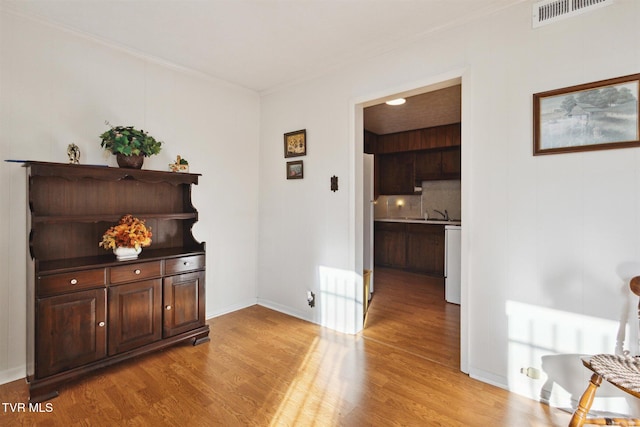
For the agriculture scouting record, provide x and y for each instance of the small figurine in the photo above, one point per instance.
(74, 154)
(180, 165)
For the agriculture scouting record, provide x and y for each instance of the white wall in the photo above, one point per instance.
(549, 242)
(57, 87)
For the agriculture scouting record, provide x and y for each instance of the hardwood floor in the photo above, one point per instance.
(264, 368)
(408, 311)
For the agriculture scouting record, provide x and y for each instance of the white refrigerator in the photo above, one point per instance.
(452, 264)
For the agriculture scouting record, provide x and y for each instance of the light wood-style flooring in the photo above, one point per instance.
(264, 368)
(409, 312)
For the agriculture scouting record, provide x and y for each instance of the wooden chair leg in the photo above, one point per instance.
(580, 415)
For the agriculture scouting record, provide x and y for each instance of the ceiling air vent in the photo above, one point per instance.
(548, 11)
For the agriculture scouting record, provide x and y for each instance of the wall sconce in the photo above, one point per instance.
(400, 203)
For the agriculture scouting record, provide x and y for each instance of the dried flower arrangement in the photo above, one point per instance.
(129, 233)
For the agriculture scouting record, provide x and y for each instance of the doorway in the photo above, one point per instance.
(408, 309)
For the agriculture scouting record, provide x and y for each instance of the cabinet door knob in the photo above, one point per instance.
(73, 281)
(101, 324)
(137, 271)
(168, 307)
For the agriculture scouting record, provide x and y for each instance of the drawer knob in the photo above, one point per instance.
(73, 281)
(168, 307)
(101, 324)
(137, 271)
(185, 263)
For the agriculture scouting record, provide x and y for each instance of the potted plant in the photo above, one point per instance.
(130, 145)
(127, 238)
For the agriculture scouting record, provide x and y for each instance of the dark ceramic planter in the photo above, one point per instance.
(130, 162)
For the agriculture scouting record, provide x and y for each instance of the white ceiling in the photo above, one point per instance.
(257, 44)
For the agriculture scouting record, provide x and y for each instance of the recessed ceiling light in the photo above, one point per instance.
(398, 101)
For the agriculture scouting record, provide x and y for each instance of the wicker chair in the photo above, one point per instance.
(621, 371)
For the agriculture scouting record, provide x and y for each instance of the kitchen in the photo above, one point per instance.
(416, 148)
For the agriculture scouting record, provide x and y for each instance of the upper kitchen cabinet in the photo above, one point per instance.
(395, 175)
(370, 142)
(404, 159)
(431, 165)
(421, 139)
(441, 136)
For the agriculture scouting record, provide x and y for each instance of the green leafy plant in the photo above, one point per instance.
(129, 141)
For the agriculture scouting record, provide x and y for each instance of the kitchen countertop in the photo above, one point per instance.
(419, 221)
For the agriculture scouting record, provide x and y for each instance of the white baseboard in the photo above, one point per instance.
(489, 378)
(13, 374)
(284, 309)
(230, 309)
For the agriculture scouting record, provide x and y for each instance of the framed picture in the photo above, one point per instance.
(295, 170)
(295, 143)
(592, 116)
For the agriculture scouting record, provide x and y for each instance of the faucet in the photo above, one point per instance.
(445, 215)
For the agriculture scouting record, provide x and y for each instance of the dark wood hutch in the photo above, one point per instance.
(86, 310)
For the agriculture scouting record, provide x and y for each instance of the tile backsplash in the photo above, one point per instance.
(398, 207)
(436, 195)
(442, 195)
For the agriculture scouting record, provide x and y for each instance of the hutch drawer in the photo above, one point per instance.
(182, 264)
(138, 271)
(70, 282)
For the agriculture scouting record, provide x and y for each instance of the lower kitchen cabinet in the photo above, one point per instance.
(409, 246)
(425, 248)
(390, 246)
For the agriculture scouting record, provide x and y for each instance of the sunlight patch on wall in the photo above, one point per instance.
(552, 342)
(340, 301)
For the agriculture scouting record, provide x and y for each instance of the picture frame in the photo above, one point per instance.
(593, 116)
(295, 143)
(295, 170)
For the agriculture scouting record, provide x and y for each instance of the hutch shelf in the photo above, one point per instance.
(85, 310)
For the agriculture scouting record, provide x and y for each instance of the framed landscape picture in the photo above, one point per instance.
(295, 143)
(295, 170)
(593, 116)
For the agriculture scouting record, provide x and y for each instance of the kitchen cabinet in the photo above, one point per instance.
(370, 142)
(436, 137)
(404, 159)
(425, 248)
(410, 246)
(399, 173)
(389, 246)
(86, 310)
(396, 173)
(431, 165)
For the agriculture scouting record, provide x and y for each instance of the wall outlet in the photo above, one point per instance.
(531, 372)
(311, 299)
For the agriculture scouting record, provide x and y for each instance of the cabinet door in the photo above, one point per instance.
(425, 248)
(428, 165)
(135, 315)
(71, 331)
(451, 163)
(396, 173)
(389, 245)
(184, 303)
